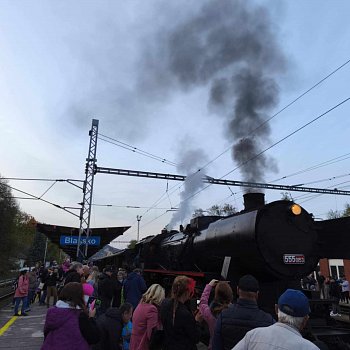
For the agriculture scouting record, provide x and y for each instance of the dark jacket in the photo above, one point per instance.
(72, 276)
(43, 276)
(184, 332)
(110, 325)
(134, 287)
(67, 328)
(335, 290)
(117, 293)
(234, 322)
(51, 279)
(106, 291)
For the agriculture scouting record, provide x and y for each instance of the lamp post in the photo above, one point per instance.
(45, 252)
(138, 218)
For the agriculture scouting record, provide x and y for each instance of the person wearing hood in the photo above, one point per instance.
(21, 293)
(68, 325)
(134, 287)
(75, 273)
(111, 325)
(106, 289)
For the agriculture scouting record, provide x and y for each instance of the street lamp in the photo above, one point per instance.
(138, 218)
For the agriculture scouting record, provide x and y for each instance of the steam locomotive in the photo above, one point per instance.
(279, 243)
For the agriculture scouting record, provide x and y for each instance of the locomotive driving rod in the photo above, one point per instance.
(211, 180)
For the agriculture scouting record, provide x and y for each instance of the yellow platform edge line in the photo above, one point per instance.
(8, 325)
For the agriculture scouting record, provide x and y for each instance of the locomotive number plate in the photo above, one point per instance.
(294, 259)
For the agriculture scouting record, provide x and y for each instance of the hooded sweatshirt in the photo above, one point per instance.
(134, 287)
(110, 325)
(23, 286)
(72, 276)
(65, 326)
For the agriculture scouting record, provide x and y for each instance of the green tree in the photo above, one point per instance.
(286, 196)
(9, 211)
(346, 211)
(221, 210)
(216, 210)
(335, 214)
(37, 250)
(198, 212)
(132, 244)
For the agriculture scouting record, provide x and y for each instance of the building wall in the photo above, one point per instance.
(325, 271)
(347, 269)
(324, 267)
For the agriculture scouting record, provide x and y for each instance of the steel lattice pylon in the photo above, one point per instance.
(85, 211)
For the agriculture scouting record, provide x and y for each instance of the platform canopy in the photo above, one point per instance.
(67, 237)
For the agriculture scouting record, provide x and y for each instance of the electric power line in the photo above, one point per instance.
(38, 179)
(135, 149)
(283, 109)
(278, 112)
(41, 199)
(266, 121)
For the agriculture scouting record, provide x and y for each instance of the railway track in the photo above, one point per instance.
(6, 291)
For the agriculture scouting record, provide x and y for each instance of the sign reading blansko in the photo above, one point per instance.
(73, 240)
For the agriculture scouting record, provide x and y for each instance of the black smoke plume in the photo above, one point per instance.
(231, 47)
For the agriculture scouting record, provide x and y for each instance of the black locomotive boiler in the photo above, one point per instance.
(279, 243)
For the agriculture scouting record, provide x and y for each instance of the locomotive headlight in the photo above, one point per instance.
(295, 209)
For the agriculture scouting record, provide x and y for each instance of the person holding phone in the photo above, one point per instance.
(222, 299)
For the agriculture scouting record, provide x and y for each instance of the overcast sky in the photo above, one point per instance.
(152, 73)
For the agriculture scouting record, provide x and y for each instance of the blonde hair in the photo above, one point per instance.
(155, 294)
(93, 276)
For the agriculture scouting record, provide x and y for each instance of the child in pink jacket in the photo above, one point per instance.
(21, 293)
(223, 298)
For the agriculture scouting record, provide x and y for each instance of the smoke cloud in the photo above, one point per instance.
(189, 165)
(231, 48)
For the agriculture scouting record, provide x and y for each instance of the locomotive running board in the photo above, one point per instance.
(334, 238)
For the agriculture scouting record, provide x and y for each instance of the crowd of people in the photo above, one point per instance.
(335, 289)
(114, 309)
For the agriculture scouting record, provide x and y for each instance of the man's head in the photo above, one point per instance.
(293, 308)
(78, 267)
(108, 270)
(248, 287)
(86, 270)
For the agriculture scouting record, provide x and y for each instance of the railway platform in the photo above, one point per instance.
(22, 332)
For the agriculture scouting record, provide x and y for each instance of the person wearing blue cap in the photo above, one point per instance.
(293, 313)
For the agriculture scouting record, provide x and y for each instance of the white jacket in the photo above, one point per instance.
(279, 336)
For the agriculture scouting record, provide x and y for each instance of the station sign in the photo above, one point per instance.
(73, 240)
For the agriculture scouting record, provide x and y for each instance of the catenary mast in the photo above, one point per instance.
(85, 211)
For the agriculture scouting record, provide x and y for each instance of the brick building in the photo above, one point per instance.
(335, 267)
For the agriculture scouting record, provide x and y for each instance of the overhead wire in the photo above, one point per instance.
(130, 206)
(135, 149)
(266, 121)
(54, 183)
(276, 114)
(271, 146)
(281, 110)
(38, 179)
(41, 199)
(320, 165)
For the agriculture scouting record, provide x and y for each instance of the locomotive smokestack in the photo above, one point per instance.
(253, 200)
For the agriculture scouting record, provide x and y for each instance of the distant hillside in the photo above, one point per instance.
(105, 251)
